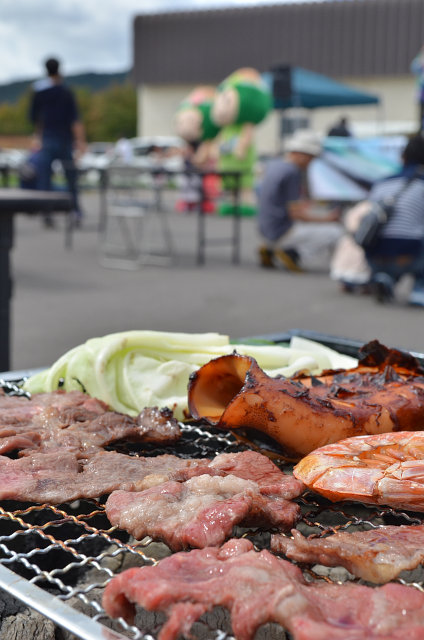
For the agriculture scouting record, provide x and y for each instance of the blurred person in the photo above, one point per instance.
(340, 128)
(400, 246)
(284, 207)
(417, 68)
(58, 131)
(123, 150)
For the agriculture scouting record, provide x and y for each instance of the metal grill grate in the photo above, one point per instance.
(59, 559)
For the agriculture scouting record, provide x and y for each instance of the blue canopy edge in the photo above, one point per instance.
(312, 90)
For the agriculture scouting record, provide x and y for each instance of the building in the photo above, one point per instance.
(368, 44)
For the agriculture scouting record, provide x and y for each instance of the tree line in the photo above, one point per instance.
(107, 115)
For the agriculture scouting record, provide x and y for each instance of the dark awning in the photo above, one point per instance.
(311, 90)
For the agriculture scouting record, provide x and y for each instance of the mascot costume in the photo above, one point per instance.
(242, 101)
(193, 123)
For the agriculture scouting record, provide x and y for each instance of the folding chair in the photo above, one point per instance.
(133, 222)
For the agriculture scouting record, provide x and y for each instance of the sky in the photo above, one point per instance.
(85, 35)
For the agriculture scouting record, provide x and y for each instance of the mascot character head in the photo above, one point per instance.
(241, 98)
(193, 118)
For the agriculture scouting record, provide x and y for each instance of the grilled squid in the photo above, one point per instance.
(384, 393)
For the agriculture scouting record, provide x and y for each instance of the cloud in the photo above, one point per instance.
(94, 35)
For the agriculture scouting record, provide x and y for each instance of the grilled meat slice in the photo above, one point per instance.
(258, 587)
(200, 512)
(52, 478)
(74, 421)
(378, 555)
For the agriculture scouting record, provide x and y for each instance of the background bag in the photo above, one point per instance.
(348, 264)
(372, 222)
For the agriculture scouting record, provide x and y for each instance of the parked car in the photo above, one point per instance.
(12, 158)
(98, 156)
(157, 151)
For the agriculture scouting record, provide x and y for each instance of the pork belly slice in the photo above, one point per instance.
(378, 555)
(157, 425)
(74, 421)
(58, 475)
(64, 406)
(258, 587)
(200, 512)
(91, 435)
(251, 465)
(52, 478)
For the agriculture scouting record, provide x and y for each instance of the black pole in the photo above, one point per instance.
(201, 224)
(6, 243)
(236, 220)
(103, 186)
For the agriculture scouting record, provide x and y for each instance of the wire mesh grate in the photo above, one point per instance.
(72, 552)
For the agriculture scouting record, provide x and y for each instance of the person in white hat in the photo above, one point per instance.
(283, 202)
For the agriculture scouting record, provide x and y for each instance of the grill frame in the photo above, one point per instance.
(53, 598)
(54, 608)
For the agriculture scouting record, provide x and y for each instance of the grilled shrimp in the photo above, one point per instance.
(385, 392)
(385, 468)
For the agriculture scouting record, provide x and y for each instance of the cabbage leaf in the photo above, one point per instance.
(135, 369)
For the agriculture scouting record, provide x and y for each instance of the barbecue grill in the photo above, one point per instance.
(57, 560)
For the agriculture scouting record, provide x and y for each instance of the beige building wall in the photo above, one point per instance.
(157, 106)
(397, 113)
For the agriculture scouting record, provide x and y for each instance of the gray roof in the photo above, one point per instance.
(339, 38)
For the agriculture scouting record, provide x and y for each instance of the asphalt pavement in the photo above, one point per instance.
(62, 297)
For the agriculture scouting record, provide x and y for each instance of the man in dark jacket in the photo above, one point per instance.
(54, 114)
